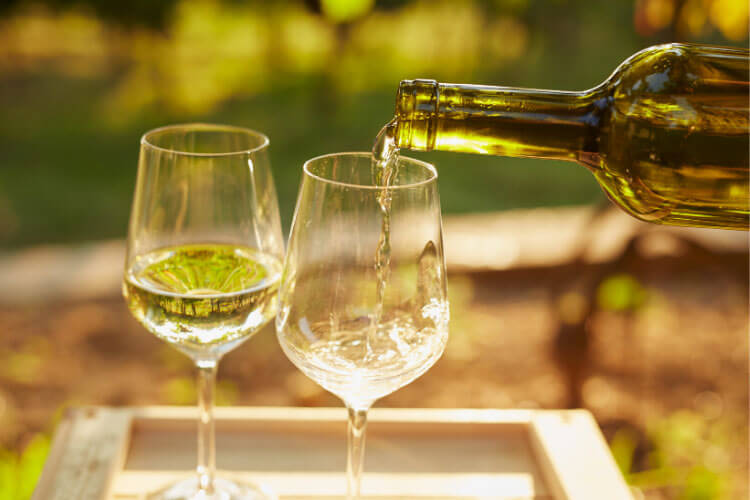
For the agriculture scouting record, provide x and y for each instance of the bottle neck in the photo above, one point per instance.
(499, 120)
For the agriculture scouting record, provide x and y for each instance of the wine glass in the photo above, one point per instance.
(203, 262)
(332, 323)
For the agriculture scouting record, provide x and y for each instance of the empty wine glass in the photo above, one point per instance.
(332, 323)
(203, 262)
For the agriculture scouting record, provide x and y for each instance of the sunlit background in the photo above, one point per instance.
(649, 333)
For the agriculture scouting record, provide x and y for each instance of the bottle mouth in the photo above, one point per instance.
(416, 112)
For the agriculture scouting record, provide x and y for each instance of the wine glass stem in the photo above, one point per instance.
(356, 451)
(206, 434)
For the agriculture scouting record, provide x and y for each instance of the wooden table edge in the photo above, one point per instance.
(550, 432)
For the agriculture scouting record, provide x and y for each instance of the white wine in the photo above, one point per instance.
(385, 157)
(361, 361)
(204, 299)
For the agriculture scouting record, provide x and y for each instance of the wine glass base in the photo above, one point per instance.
(224, 489)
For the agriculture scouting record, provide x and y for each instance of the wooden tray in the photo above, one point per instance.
(107, 453)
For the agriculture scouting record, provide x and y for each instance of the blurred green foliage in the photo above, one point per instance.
(623, 446)
(183, 391)
(19, 472)
(345, 10)
(620, 292)
(689, 456)
(80, 81)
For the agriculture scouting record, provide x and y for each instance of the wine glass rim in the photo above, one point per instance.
(428, 166)
(201, 126)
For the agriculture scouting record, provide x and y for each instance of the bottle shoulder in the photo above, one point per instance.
(681, 68)
(683, 86)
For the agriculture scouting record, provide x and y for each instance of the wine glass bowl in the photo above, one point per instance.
(203, 261)
(331, 323)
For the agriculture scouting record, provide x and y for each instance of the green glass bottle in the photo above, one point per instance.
(666, 136)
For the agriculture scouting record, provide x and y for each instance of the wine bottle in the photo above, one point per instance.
(666, 135)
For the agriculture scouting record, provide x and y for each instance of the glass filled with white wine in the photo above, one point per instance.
(203, 262)
(363, 306)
